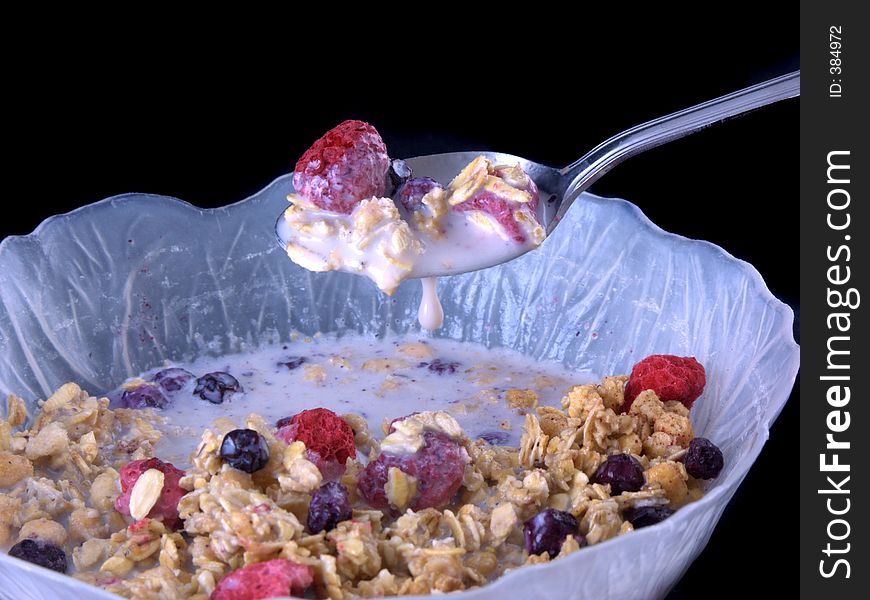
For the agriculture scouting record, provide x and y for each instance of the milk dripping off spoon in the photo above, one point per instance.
(560, 187)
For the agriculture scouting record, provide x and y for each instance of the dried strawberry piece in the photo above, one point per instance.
(348, 164)
(438, 466)
(327, 437)
(498, 191)
(166, 507)
(138, 525)
(680, 378)
(270, 579)
(498, 209)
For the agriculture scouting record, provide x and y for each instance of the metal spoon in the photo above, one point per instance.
(560, 187)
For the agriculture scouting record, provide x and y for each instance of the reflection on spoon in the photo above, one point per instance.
(430, 314)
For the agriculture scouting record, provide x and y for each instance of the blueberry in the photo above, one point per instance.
(441, 366)
(172, 379)
(496, 438)
(284, 421)
(703, 459)
(245, 450)
(116, 398)
(412, 192)
(547, 530)
(399, 173)
(329, 507)
(40, 553)
(215, 386)
(294, 362)
(623, 472)
(646, 515)
(146, 395)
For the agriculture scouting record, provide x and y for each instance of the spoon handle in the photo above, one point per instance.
(582, 173)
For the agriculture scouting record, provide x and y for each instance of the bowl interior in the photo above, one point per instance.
(120, 286)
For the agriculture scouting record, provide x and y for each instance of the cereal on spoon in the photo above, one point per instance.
(355, 210)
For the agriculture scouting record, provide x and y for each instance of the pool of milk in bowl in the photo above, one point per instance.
(379, 379)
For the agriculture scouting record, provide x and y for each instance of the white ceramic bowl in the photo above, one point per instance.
(119, 286)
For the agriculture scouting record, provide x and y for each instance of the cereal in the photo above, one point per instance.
(43, 529)
(521, 399)
(50, 441)
(13, 468)
(502, 522)
(671, 477)
(452, 514)
(400, 488)
(420, 350)
(314, 373)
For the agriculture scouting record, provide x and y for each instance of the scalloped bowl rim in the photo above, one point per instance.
(778, 401)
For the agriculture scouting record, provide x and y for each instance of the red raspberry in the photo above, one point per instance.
(679, 378)
(166, 507)
(348, 164)
(270, 579)
(327, 437)
(438, 467)
(502, 210)
(139, 525)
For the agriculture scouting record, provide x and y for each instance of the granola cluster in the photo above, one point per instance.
(60, 481)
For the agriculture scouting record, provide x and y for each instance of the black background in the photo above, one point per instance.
(209, 127)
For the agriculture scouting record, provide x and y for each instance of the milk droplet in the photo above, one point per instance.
(430, 315)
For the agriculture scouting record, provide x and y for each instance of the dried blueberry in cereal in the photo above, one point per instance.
(146, 395)
(441, 367)
(245, 450)
(293, 362)
(703, 459)
(329, 506)
(40, 553)
(623, 472)
(412, 192)
(645, 516)
(546, 531)
(172, 379)
(399, 173)
(215, 387)
(496, 438)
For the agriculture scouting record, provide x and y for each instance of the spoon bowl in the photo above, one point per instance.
(560, 187)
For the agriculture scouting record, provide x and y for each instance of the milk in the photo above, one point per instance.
(379, 379)
(469, 241)
(430, 314)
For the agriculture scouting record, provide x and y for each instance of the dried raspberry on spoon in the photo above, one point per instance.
(348, 164)
(506, 194)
